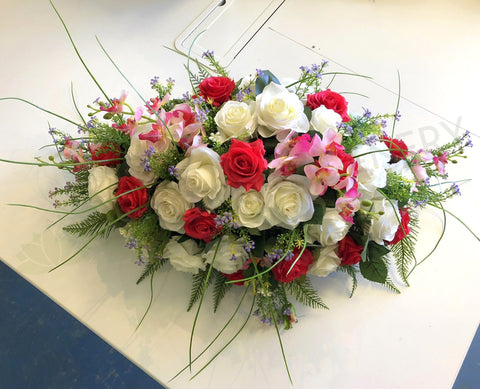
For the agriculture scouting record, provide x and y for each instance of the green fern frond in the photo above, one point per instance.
(352, 272)
(198, 282)
(304, 292)
(404, 251)
(391, 286)
(220, 289)
(151, 267)
(92, 225)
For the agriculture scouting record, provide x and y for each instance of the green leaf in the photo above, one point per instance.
(262, 81)
(304, 292)
(374, 270)
(376, 251)
(319, 211)
(308, 112)
(259, 249)
(198, 282)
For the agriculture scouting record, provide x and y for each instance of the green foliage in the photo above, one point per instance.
(161, 162)
(151, 268)
(92, 225)
(319, 211)
(220, 288)
(360, 228)
(374, 270)
(74, 193)
(304, 292)
(404, 251)
(198, 284)
(398, 188)
(352, 272)
(263, 80)
(105, 134)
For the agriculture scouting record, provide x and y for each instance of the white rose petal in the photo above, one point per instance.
(184, 256)
(279, 111)
(236, 120)
(201, 178)
(102, 182)
(372, 167)
(326, 261)
(170, 206)
(249, 207)
(135, 154)
(385, 226)
(324, 118)
(231, 255)
(288, 201)
(332, 230)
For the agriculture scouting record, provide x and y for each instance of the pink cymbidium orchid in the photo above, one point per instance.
(440, 162)
(326, 149)
(321, 178)
(291, 154)
(348, 204)
(116, 105)
(131, 124)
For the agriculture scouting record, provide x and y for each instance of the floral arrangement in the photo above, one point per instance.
(252, 183)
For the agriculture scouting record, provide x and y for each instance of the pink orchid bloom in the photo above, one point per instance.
(291, 154)
(117, 104)
(348, 204)
(420, 172)
(131, 124)
(440, 162)
(326, 149)
(156, 104)
(349, 180)
(321, 178)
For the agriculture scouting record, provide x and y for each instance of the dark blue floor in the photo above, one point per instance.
(42, 346)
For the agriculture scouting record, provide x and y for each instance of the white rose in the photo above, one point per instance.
(332, 230)
(201, 178)
(135, 157)
(372, 172)
(235, 120)
(326, 261)
(288, 201)
(324, 118)
(184, 256)
(403, 170)
(385, 226)
(170, 206)
(231, 255)
(279, 111)
(249, 207)
(102, 182)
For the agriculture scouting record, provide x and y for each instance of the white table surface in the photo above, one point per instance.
(377, 339)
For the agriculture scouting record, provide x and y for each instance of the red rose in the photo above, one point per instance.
(400, 234)
(216, 90)
(331, 100)
(101, 152)
(243, 164)
(301, 267)
(200, 224)
(349, 251)
(398, 148)
(238, 275)
(137, 198)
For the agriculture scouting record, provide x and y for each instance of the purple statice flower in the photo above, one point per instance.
(233, 257)
(347, 129)
(173, 171)
(250, 246)
(145, 160)
(455, 189)
(170, 81)
(287, 311)
(208, 54)
(266, 320)
(367, 113)
(397, 116)
(132, 243)
(186, 96)
(260, 73)
(370, 140)
(226, 220)
(140, 261)
(201, 114)
(154, 81)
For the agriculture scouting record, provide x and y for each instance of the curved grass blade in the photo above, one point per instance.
(78, 53)
(217, 336)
